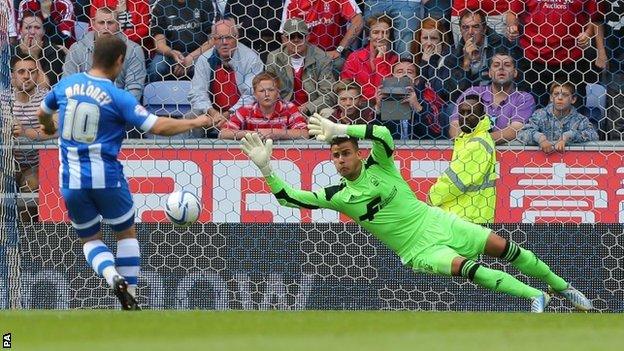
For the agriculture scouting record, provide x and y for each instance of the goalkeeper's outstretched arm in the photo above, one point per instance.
(260, 155)
(383, 145)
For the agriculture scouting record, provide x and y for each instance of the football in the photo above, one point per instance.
(183, 208)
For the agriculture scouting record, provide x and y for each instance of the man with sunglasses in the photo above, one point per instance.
(467, 187)
(304, 70)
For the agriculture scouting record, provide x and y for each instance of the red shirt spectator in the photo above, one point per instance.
(371, 64)
(300, 96)
(551, 28)
(133, 17)
(489, 7)
(269, 116)
(250, 117)
(326, 19)
(367, 73)
(61, 19)
(224, 89)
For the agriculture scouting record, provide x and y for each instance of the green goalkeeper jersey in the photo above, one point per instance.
(379, 199)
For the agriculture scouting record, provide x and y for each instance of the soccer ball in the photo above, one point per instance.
(182, 208)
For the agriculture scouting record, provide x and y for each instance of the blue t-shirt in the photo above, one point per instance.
(93, 114)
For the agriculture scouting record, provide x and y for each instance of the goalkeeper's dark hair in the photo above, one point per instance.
(340, 140)
(107, 50)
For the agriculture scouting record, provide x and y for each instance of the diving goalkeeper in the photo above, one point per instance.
(427, 239)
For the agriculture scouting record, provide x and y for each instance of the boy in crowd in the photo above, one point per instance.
(269, 116)
(351, 107)
(559, 123)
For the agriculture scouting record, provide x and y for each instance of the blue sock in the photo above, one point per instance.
(128, 262)
(101, 259)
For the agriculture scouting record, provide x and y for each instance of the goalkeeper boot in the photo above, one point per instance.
(578, 300)
(539, 303)
(120, 288)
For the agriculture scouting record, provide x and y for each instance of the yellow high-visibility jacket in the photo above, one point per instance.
(468, 187)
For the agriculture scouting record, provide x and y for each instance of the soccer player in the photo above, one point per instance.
(93, 114)
(373, 193)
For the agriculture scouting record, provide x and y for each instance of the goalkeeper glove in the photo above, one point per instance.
(324, 129)
(258, 152)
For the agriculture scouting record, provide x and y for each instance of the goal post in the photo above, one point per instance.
(9, 257)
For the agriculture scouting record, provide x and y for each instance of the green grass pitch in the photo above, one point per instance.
(92, 330)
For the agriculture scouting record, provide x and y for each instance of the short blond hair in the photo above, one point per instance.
(346, 84)
(266, 76)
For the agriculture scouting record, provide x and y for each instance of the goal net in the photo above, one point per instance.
(9, 257)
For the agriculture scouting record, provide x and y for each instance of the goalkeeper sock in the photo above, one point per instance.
(497, 280)
(529, 264)
(101, 259)
(129, 262)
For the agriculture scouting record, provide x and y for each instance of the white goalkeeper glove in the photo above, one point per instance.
(259, 153)
(324, 129)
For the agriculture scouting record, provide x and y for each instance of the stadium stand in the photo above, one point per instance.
(167, 98)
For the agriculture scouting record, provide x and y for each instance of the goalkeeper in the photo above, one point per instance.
(373, 193)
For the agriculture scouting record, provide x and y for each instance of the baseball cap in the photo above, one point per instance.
(295, 25)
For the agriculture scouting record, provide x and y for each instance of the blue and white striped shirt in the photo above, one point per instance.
(93, 114)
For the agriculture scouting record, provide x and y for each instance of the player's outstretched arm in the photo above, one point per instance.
(170, 126)
(325, 130)
(260, 154)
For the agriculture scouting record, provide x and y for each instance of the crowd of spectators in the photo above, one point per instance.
(269, 65)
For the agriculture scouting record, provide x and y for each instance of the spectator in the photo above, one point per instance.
(430, 49)
(334, 24)
(33, 43)
(615, 37)
(371, 64)
(269, 116)
(554, 38)
(471, 58)
(351, 107)
(259, 23)
(27, 96)
(613, 125)
(224, 74)
(494, 10)
(426, 107)
(559, 123)
(406, 16)
(58, 19)
(467, 187)
(181, 31)
(133, 17)
(508, 108)
(80, 58)
(304, 70)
